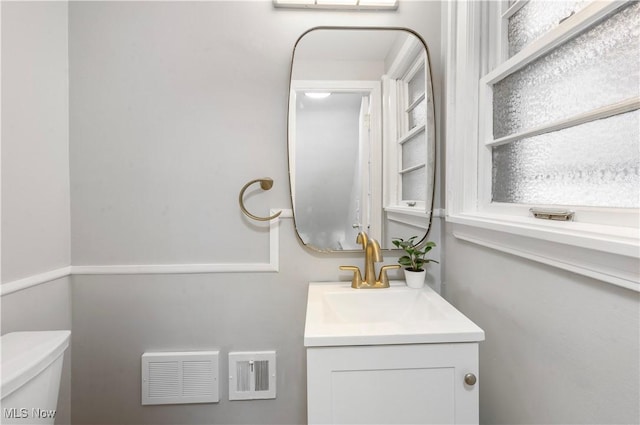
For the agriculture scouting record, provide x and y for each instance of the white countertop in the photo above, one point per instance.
(340, 315)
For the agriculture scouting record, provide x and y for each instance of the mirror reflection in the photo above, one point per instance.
(361, 137)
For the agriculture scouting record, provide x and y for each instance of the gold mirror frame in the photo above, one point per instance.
(435, 120)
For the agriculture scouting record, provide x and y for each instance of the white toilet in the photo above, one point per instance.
(31, 369)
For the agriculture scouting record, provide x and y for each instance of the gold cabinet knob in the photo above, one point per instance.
(470, 379)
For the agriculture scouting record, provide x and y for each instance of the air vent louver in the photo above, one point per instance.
(252, 375)
(180, 377)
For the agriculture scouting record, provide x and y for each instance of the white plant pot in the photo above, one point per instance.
(415, 279)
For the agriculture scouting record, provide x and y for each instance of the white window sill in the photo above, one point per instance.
(607, 253)
(413, 216)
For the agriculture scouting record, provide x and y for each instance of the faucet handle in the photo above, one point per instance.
(383, 279)
(356, 282)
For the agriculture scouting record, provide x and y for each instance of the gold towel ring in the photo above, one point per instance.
(266, 183)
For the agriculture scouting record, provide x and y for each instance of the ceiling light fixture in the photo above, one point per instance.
(338, 4)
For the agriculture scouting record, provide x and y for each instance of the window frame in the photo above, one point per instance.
(411, 58)
(571, 26)
(475, 58)
(405, 134)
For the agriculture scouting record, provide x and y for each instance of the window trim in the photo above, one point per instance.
(405, 134)
(610, 254)
(571, 26)
(409, 60)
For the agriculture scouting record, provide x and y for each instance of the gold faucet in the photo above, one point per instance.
(363, 240)
(372, 255)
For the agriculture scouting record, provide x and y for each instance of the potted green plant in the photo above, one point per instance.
(414, 260)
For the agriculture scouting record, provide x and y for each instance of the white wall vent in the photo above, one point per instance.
(252, 375)
(180, 377)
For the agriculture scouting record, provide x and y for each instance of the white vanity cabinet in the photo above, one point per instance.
(392, 384)
(390, 356)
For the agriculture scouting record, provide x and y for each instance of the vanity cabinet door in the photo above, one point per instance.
(392, 384)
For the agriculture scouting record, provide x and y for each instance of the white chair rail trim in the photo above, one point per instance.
(272, 266)
(36, 279)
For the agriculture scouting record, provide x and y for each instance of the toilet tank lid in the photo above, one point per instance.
(26, 354)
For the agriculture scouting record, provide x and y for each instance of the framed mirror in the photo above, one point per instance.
(361, 136)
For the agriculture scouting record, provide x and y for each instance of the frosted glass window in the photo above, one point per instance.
(594, 164)
(416, 110)
(536, 18)
(597, 68)
(416, 89)
(414, 185)
(414, 151)
(418, 115)
(416, 85)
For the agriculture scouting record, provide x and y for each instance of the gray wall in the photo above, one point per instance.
(560, 348)
(35, 139)
(35, 171)
(173, 107)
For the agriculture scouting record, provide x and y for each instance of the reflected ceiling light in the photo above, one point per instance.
(317, 95)
(338, 4)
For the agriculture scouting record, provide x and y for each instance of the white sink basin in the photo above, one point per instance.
(393, 305)
(340, 315)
